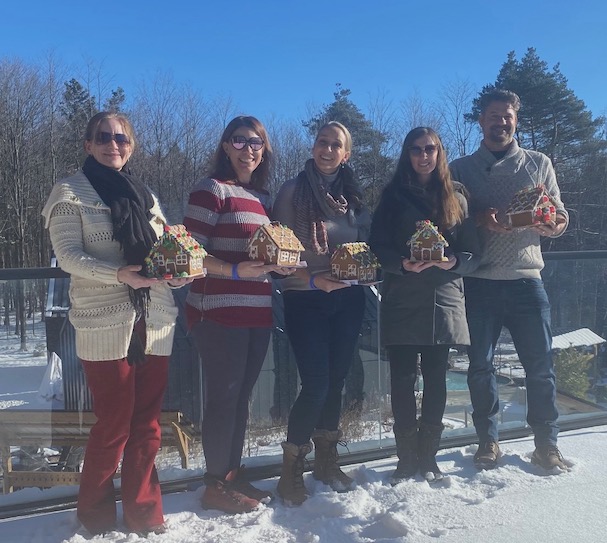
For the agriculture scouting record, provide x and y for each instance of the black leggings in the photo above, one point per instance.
(403, 374)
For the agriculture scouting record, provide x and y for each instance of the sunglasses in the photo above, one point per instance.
(239, 142)
(103, 138)
(428, 149)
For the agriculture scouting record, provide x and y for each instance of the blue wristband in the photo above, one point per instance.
(312, 283)
(235, 275)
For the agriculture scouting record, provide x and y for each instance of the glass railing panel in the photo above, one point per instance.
(45, 406)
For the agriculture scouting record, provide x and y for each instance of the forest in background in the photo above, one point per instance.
(44, 111)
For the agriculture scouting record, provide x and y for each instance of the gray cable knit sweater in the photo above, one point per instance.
(493, 183)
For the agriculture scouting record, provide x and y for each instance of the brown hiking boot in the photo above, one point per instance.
(291, 486)
(326, 468)
(242, 485)
(487, 455)
(548, 457)
(220, 494)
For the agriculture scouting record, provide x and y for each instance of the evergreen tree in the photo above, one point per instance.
(551, 119)
(115, 102)
(76, 107)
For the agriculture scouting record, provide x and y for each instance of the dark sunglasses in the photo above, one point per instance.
(239, 142)
(103, 138)
(428, 149)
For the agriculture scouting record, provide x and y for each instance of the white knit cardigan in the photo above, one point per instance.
(80, 226)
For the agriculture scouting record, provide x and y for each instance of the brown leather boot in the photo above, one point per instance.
(220, 494)
(326, 468)
(242, 485)
(291, 486)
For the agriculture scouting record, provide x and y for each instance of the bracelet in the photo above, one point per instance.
(235, 275)
(173, 287)
(312, 283)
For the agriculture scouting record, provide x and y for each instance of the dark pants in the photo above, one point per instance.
(522, 306)
(127, 401)
(231, 361)
(403, 374)
(323, 329)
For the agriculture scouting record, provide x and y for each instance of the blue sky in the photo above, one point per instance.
(283, 57)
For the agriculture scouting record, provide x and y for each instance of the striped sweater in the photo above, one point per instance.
(222, 216)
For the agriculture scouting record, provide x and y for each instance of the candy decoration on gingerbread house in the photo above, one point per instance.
(175, 254)
(531, 206)
(275, 244)
(427, 243)
(354, 262)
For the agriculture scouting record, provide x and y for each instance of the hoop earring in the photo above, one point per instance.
(261, 160)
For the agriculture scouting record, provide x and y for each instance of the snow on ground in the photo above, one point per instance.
(517, 502)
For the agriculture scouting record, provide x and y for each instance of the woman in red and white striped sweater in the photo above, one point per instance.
(230, 310)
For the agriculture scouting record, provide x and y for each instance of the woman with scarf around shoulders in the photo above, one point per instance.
(323, 316)
(103, 222)
(422, 305)
(230, 310)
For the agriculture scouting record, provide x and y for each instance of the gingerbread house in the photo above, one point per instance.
(354, 262)
(175, 254)
(427, 243)
(531, 206)
(275, 244)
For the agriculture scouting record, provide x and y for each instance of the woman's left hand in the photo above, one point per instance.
(417, 267)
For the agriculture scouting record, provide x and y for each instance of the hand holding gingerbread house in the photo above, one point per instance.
(531, 206)
(175, 254)
(277, 244)
(427, 243)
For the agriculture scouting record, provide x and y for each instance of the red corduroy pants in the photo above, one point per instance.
(127, 401)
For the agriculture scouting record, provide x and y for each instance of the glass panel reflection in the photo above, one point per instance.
(45, 406)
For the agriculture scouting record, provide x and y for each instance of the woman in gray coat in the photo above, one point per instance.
(422, 308)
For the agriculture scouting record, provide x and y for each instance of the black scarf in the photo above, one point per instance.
(130, 203)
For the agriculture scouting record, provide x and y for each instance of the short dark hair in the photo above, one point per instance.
(499, 95)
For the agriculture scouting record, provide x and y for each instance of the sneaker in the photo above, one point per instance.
(487, 455)
(221, 494)
(548, 457)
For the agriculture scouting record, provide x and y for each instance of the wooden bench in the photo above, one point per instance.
(68, 429)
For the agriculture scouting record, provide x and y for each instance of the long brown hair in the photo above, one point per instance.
(447, 208)
(221, 167)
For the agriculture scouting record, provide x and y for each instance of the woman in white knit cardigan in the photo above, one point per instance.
(102, 222)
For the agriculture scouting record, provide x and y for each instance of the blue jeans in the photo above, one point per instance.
(323, 329)
(521, 306)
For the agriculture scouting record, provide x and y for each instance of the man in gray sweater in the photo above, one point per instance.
(507, 289)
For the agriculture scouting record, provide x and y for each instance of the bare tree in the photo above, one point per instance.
(460, 135)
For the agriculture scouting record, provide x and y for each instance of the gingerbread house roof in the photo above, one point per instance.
(529, 199)
(282, 236)
(178, 235)
(426, 230)
(360, 252)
